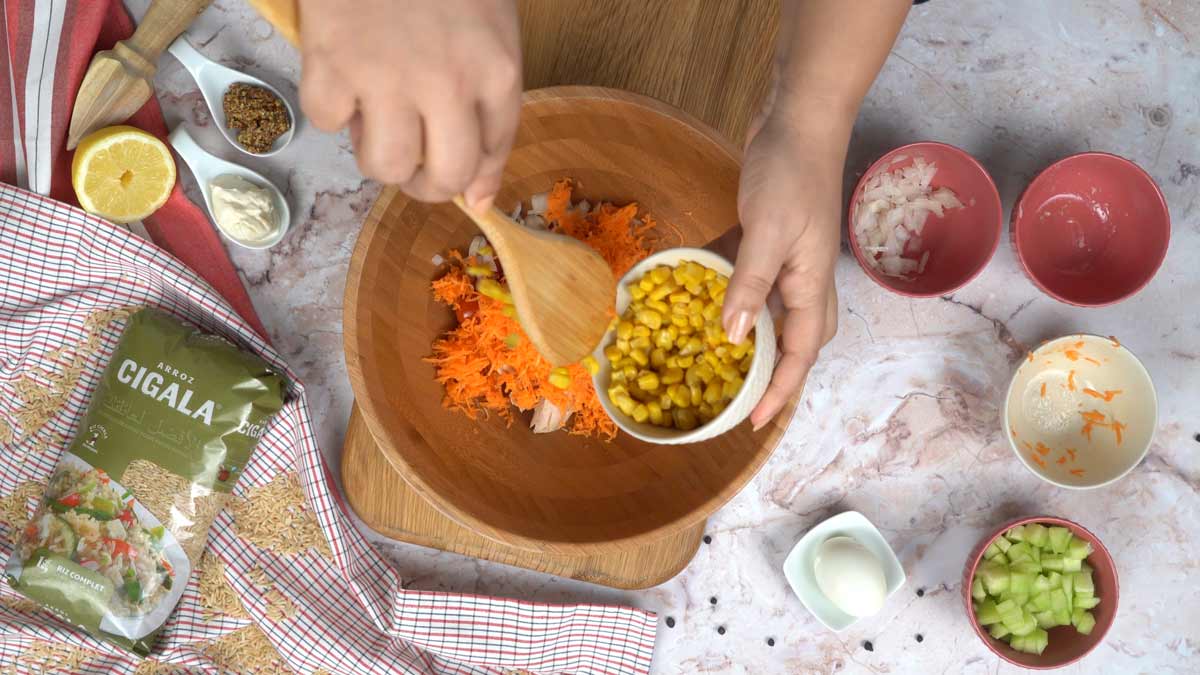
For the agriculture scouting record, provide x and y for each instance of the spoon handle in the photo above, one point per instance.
(164, 21)
(192, 154)
(188, 57)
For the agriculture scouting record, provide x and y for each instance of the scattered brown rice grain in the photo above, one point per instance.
(14, 508)
(49, 658)
(186, 509)
(275, 516)
(246, 651)
(216, 595)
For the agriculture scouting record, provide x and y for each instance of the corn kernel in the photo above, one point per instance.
(692, 376)
(624, 330)
(679, 309)
(662, 339)
(719, 407)
(672, 361)
(695, 307)
(658, 357)
(731, 388)
(486, 250)
(636, 306)
(620, 363)
(640, 331)
(659, 306)
(640, 356)
(637, 292)
(659, 293)
(678, 275)
(630, 372)
(618, 377)
(712, 392)
(640, 343)
(711, 312)
(722, 352)
(509, 311)
(494, 290)
(744, 364)
(685, 361)
(705, 412)
(640, 413)
(664, 401)
(696, 321)
(697, 394)
(694, 272)
(679, 321)
(672, 375)
(740, 350)
(694, 287)
(705, 372)
(684, 419)
(668, 422)
(612, 353)
(616, 391)
(719, 297)
(650, 318)
(727, 372)
(626, 404)
(693, 346)
(681, 396)
(480, 271)
(622, 345)
(646, 283)
(680, 296)
(709, 274)
(560, 378)
(648, 381)
(660, 274)
(656, 412)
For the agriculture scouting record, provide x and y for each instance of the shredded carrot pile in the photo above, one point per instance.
(486, 363)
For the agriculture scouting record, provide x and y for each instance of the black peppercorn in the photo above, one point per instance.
(920, 638)
(770, 642)
(707, 539)
(712, 600)
(868, 646)
(670, 622)
(720, 630)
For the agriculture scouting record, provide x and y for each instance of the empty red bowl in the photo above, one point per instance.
(1066, 644)
(962, 241)
(1091, 229)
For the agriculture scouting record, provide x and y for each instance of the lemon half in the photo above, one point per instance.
(122, 173)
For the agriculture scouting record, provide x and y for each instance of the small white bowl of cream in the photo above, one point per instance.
(246, 207)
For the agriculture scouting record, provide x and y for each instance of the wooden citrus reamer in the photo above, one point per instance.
(119, 81)
(564, 291)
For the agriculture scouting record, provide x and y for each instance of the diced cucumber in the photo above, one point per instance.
(1017, 643)
(1084, 567)
(1007, 607)
(986, 613)
(1041, 583)
(991, 552)
(1018, 552)
(1078, 549)
(1058, 538)
(1020, 582)
(995, 577)
(1027, 625)
(1068, 586)
(1086, 623)
(1062, 617)
(1037, 555)
(1000, 559)
(1038, 640)
(1041, 601)
(1055, 579)
(1045, 619)
(1002, 544)
(999, 630)
(1072, 565)
(1052, 562)
(977, 591)
(1021, 599)
(1058, 599)
(1016, 534)
(1026, 567)
(1035, 534)
(1086, 603)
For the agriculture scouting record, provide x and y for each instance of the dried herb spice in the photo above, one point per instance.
(257, 114)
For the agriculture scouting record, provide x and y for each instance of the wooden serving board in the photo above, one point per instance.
(379, 495)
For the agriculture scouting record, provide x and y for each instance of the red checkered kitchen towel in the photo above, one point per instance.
(59, 267)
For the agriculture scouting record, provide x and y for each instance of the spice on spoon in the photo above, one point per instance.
(257, 114)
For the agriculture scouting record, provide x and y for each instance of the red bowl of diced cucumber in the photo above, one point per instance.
(1041, 592)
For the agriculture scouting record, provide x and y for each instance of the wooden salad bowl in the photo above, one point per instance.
(548, 492)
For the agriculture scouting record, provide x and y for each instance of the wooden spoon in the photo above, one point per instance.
(564, 292)
(120, 80)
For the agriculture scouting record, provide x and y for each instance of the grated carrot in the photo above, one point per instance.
(1076, 472)
(1031, 357)
(1027, 446)
(1071, 380)
(1093, 416)
(1117, 428)
(1072, 354)
(486, 363)
(1040, 462)
(1062, 459)
(1043, 390)
(1042, 449)
(1115, 341)
(1091, 360)
(1079, 345)
(1071, 452)
(1107, 395)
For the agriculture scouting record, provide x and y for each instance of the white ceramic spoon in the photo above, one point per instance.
(214, 79)
(206, 168)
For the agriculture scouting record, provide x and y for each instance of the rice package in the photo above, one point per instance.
(126, 513)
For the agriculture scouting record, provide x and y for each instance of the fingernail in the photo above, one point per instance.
(759, 425)
(740, 327)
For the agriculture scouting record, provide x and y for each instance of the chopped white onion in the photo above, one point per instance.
(891, 214)
(437, 260)
(538, 203)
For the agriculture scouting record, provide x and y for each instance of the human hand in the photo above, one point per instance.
(431, 89)
(789, 202)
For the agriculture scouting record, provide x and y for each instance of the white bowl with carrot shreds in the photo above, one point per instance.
(668, 373)
(1081, 411)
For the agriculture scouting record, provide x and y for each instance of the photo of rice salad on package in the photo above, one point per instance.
(86, 519)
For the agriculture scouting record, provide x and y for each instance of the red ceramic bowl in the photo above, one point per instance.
(1066, 645)
(1091, 229)
(962, 241)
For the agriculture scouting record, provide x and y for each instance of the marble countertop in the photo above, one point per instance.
(900, 419)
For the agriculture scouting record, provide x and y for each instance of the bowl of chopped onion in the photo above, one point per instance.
(925, 219)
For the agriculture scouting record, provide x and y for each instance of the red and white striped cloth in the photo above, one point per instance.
(58, 265)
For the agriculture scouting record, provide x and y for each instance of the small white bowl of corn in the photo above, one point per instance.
(667, 372)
